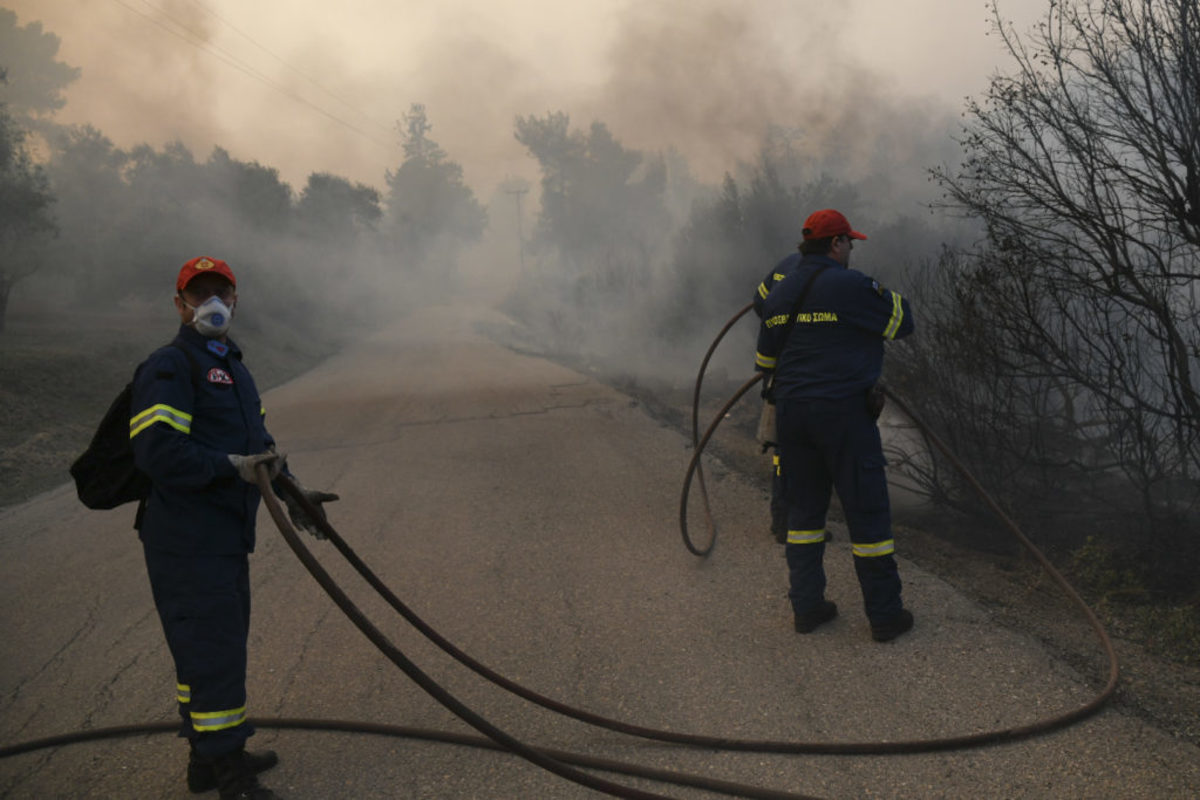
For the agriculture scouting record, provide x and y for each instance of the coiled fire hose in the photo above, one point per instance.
(1008, 734)
(558, 761)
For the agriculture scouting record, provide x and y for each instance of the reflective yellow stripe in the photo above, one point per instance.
(874, 549)
(766, 362)
(183, 693)
(897, 317)
(262, 411)
(763, 291)
(209, 721)
(160, 413)
(775, 461)
(806, 537)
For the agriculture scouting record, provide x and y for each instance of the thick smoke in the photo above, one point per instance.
(705, 77)
(713, 87)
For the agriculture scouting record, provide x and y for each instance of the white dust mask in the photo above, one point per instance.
(212, 317)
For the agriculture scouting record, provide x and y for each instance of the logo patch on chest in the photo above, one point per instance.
(218, 375)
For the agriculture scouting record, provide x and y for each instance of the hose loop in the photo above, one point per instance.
(948, 743)
(564, 763)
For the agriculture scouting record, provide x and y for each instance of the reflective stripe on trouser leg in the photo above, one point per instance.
(204, 605)
(836, 443)
(806, 537)
(779, 503)
(212, 721)
(874, 549)
(860, 479)
(807, 485)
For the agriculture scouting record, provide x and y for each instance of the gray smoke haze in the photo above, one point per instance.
(705, 77)
(709, 78)
(865, 94)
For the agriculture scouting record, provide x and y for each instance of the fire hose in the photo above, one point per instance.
(1008, 734)
(564, 763)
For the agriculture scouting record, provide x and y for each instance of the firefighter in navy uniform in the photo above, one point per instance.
(767, 437)
(827, 356)
(198, 432)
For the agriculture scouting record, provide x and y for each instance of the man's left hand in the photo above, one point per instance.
(301, 519)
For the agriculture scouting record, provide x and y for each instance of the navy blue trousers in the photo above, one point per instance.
(826, 446)
(779, 504)
(203, 603)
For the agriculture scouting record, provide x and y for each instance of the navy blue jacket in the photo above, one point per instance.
(778, 273)
(835, 349)
(184, 425)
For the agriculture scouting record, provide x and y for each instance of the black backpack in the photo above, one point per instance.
(105, 475)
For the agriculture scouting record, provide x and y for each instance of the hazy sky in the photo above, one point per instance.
(703, 75)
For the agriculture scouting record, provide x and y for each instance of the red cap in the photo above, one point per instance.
(827, 223)
(201, 265)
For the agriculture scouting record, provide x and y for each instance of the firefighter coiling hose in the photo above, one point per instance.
(565, 763)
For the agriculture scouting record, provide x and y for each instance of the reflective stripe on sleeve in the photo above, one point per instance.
(897, 317)
(806, 537)
(874, 549)
(183, 693)
(209, 721)
(766, 362)
(160, 413)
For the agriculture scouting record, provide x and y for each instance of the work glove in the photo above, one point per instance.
(300, 517)
(245, 465)
(767, 387)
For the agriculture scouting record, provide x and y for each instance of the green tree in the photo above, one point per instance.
(602, 205)
(36, 78)
(26, 223)
(331, 207)
(177, 216)
(253, 192)
(601, 229)
(431, 213)
(85, 165)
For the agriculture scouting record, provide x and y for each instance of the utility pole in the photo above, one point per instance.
(518, 191)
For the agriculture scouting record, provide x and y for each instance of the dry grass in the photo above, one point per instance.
(60, 371)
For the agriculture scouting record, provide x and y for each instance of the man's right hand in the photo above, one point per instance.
(245, 465)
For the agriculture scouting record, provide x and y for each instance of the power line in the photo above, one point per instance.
(198, 41)
(345, 103)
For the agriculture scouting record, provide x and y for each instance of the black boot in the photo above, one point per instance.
(809, 622)
(202, 776)
(901, 623)
(237, 779)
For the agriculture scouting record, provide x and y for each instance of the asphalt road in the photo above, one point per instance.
(529, 514)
